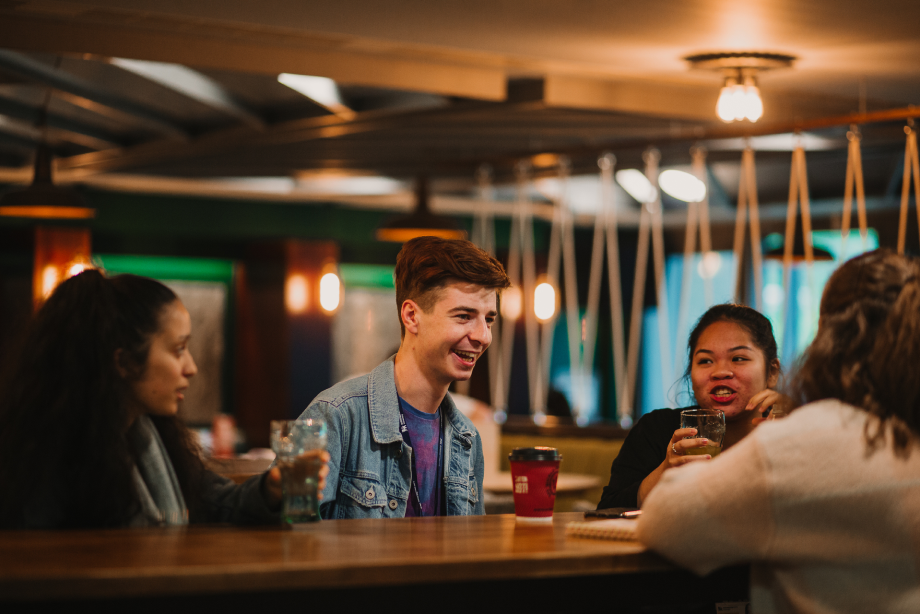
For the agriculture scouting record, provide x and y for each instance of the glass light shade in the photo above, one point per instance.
(636, 185)
(682, 186)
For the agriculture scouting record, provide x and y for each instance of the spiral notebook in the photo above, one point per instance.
(611, 528)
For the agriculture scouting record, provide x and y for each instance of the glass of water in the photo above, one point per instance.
(291, 440)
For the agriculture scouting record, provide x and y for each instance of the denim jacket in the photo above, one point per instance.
(370, 469)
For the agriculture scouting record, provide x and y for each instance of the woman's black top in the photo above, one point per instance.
(644, 449)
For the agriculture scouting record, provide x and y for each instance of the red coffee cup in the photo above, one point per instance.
(533, 473)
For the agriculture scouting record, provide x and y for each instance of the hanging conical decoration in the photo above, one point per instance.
(650, 222)
(910, 164)
(854, 180)
(747, 198)
(697, 217)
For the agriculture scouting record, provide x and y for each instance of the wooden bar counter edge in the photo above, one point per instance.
(68, 565)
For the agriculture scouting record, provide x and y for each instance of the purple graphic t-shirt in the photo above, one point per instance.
(424, 432)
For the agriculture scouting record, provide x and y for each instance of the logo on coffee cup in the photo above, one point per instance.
(520, 484)
(551, 483)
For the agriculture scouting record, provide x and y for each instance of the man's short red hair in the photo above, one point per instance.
(426, 264)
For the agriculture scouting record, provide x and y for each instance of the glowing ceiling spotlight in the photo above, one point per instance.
(636, 185)
(682, 186)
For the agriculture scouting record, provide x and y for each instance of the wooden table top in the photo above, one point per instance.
(36, 565)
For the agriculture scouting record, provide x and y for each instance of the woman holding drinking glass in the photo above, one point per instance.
(88, 430)
(732, 368)
(824, 503)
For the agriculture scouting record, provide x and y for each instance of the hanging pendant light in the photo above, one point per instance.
(43, 199)
(420, 223)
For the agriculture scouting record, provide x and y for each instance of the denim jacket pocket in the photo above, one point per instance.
(473, 490)
(359, 495)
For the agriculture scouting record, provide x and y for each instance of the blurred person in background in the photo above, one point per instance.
(89, 435)
(824, 503)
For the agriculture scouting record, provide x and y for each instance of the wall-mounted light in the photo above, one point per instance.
(544, 301)
(329, 292)
(512, 303)
(296, 293)
(740, 98)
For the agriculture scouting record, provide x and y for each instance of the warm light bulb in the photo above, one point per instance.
(724, 108)
(739, 101)
(512, 303)
(682, 186)
(753, 103)
(75, 269)
(295, 294)
(329, 292)
(544, 301)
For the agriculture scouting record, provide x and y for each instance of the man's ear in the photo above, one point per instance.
(409, 313)
(120, 365)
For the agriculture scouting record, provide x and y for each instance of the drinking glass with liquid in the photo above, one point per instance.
(290, 440)
(709, 424)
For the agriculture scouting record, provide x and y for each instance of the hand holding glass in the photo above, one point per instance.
(709, 423)
(291, 439)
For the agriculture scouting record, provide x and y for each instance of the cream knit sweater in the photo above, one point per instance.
(827, 526)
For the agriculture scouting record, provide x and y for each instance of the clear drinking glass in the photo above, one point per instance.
(709, 423)
(299, 475)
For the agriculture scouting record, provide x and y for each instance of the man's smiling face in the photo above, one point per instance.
(455, 332)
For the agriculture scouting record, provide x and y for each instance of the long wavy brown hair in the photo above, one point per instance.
(64, 456)
(867, 349)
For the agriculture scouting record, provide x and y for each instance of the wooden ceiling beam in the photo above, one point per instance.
(206, 46)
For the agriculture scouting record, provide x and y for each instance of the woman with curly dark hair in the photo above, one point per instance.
(825, 503)
(88, 430)
(732, 367)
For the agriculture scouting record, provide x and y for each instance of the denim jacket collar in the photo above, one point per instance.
(383, 405)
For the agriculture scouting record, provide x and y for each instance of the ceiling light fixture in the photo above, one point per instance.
(740, 98)
(420, 223)
(636, 185)
(43, 199)
(682, 186)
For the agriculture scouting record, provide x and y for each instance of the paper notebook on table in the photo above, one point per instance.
(611, 528)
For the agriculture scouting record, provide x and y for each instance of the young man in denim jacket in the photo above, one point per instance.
(398, 445)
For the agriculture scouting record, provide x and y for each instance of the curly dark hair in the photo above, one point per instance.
(867, 347)
(426, 264)
(63, 419)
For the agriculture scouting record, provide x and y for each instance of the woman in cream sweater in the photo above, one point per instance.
(825, 504)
